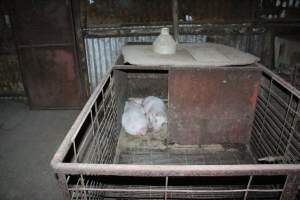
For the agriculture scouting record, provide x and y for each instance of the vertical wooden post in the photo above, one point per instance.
(78, 7)
(175, 19)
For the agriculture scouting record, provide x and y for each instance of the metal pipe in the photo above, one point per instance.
(173, 190)
(174, 170)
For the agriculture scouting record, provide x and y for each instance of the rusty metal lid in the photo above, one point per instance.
(192, 55)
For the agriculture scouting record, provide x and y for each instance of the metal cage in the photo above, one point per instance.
(86, 165)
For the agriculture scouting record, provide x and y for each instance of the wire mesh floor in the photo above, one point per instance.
(153, 149)
(207, 154)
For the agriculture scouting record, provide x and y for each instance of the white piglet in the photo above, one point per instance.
(134, 120)
(156, 112)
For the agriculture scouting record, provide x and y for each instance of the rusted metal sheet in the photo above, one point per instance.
(49, 60)
(212, 105)
(51, 77)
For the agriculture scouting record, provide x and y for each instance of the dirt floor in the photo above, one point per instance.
(28, 140)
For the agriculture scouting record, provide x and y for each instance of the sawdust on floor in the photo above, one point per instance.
(152, 140)
(159, 140)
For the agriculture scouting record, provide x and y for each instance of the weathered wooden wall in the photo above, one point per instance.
(11, 84)
(47, 52)
(109, 12)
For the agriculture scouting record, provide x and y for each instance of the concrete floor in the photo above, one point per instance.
(28, 140)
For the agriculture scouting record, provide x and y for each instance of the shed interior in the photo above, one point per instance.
(55, 54)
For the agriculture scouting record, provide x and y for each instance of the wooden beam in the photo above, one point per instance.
(175, 18)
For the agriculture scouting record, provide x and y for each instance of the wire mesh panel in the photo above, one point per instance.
(276, 126)
(96, 139)
(230, 154)
(88, 166)
(232, 187)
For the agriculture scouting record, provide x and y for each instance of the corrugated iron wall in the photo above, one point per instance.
(101, 53)
(109, 24)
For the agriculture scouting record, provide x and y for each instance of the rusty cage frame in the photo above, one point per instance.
(84, 162)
